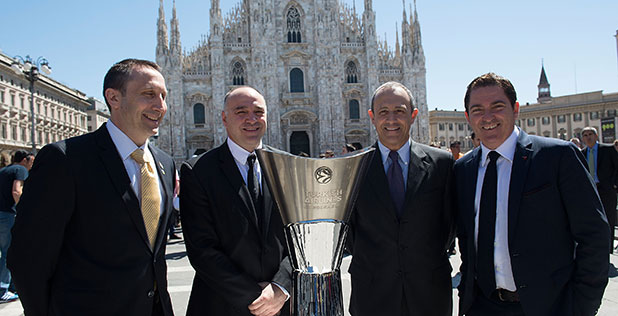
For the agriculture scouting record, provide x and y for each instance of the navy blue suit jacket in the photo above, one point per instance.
(557, 231)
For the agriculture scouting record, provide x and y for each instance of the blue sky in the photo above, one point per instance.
(462, 39)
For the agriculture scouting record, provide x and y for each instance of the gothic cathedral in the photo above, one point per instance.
(316, 62)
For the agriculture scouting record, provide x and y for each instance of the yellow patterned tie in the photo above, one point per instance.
(151, 198)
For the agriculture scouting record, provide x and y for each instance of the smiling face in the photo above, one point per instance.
(139, 110)
(491, 115)
(244, 117)
(392, 115)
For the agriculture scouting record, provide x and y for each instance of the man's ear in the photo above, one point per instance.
(113, 97)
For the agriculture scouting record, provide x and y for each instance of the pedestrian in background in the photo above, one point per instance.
(602, 162)
(12, 179)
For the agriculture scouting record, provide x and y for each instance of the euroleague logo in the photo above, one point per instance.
(323, 175)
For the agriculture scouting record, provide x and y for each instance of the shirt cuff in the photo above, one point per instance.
(287, 294)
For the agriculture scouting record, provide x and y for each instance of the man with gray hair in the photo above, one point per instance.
(602, 162)
(403, 222)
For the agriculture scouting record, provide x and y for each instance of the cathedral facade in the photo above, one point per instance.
(316, 62)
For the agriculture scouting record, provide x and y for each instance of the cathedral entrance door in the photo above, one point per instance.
(299, 141)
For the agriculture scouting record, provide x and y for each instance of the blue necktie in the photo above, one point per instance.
(486, 274)
(395, 182)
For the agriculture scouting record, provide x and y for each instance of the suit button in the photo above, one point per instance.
(523, 286)
(515, 254)
(150, 294)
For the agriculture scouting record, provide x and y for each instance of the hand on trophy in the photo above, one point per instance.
(270, 301)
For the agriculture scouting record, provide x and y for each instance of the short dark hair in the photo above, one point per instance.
(117, 76)
(20, 155)
(236, 88)
(491, 79)
(455, 143)
(392, 85)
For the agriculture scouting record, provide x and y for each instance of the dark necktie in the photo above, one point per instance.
(253, 185)
(485, 274)
(252, 180)
(395, 182)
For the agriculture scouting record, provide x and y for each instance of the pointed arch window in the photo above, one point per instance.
(238, 74)
(354, 109)
(199, 115)
(351, 72)
(293, 25)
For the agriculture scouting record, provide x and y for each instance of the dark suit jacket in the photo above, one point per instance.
(79, 241)
(403, 259)
(226, 248)
(607, 167)
(552, 206)
(607, 171)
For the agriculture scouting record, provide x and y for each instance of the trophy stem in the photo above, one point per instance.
(316, 250)
(317, 294)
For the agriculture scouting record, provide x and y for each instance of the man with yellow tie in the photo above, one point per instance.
(89, 236)
(603, 167)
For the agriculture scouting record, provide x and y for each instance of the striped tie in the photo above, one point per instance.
(150, 194)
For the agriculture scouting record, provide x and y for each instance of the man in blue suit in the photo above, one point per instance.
(532, 232)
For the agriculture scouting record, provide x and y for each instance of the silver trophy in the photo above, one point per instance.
(315, 198)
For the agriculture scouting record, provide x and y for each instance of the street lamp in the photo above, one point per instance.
(30, 69)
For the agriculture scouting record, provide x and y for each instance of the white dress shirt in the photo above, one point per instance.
(125, 147)
(240, 157)
(504, 165)
(404, 159)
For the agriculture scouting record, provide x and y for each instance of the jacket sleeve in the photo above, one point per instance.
(43, 213)
(590, 231)
(207, 257)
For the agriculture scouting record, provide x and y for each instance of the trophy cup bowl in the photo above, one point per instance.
(315, 198)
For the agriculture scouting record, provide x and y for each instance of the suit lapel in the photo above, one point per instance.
(470, 168)
(377, 177)
(417, 171)
(230, 169)
(521, 163)
(268, 205)
(120, 179)
(167, 188)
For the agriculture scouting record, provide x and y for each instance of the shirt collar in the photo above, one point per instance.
(404, 152)
(124, 144)
(506, 149)
(239, 153)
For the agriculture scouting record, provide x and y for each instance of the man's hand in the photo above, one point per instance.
(270, 301)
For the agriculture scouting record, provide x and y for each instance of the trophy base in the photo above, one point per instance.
(317, 294)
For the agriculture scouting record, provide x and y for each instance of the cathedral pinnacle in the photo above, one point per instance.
(368, 6)
(175, 46)
(161, 31)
